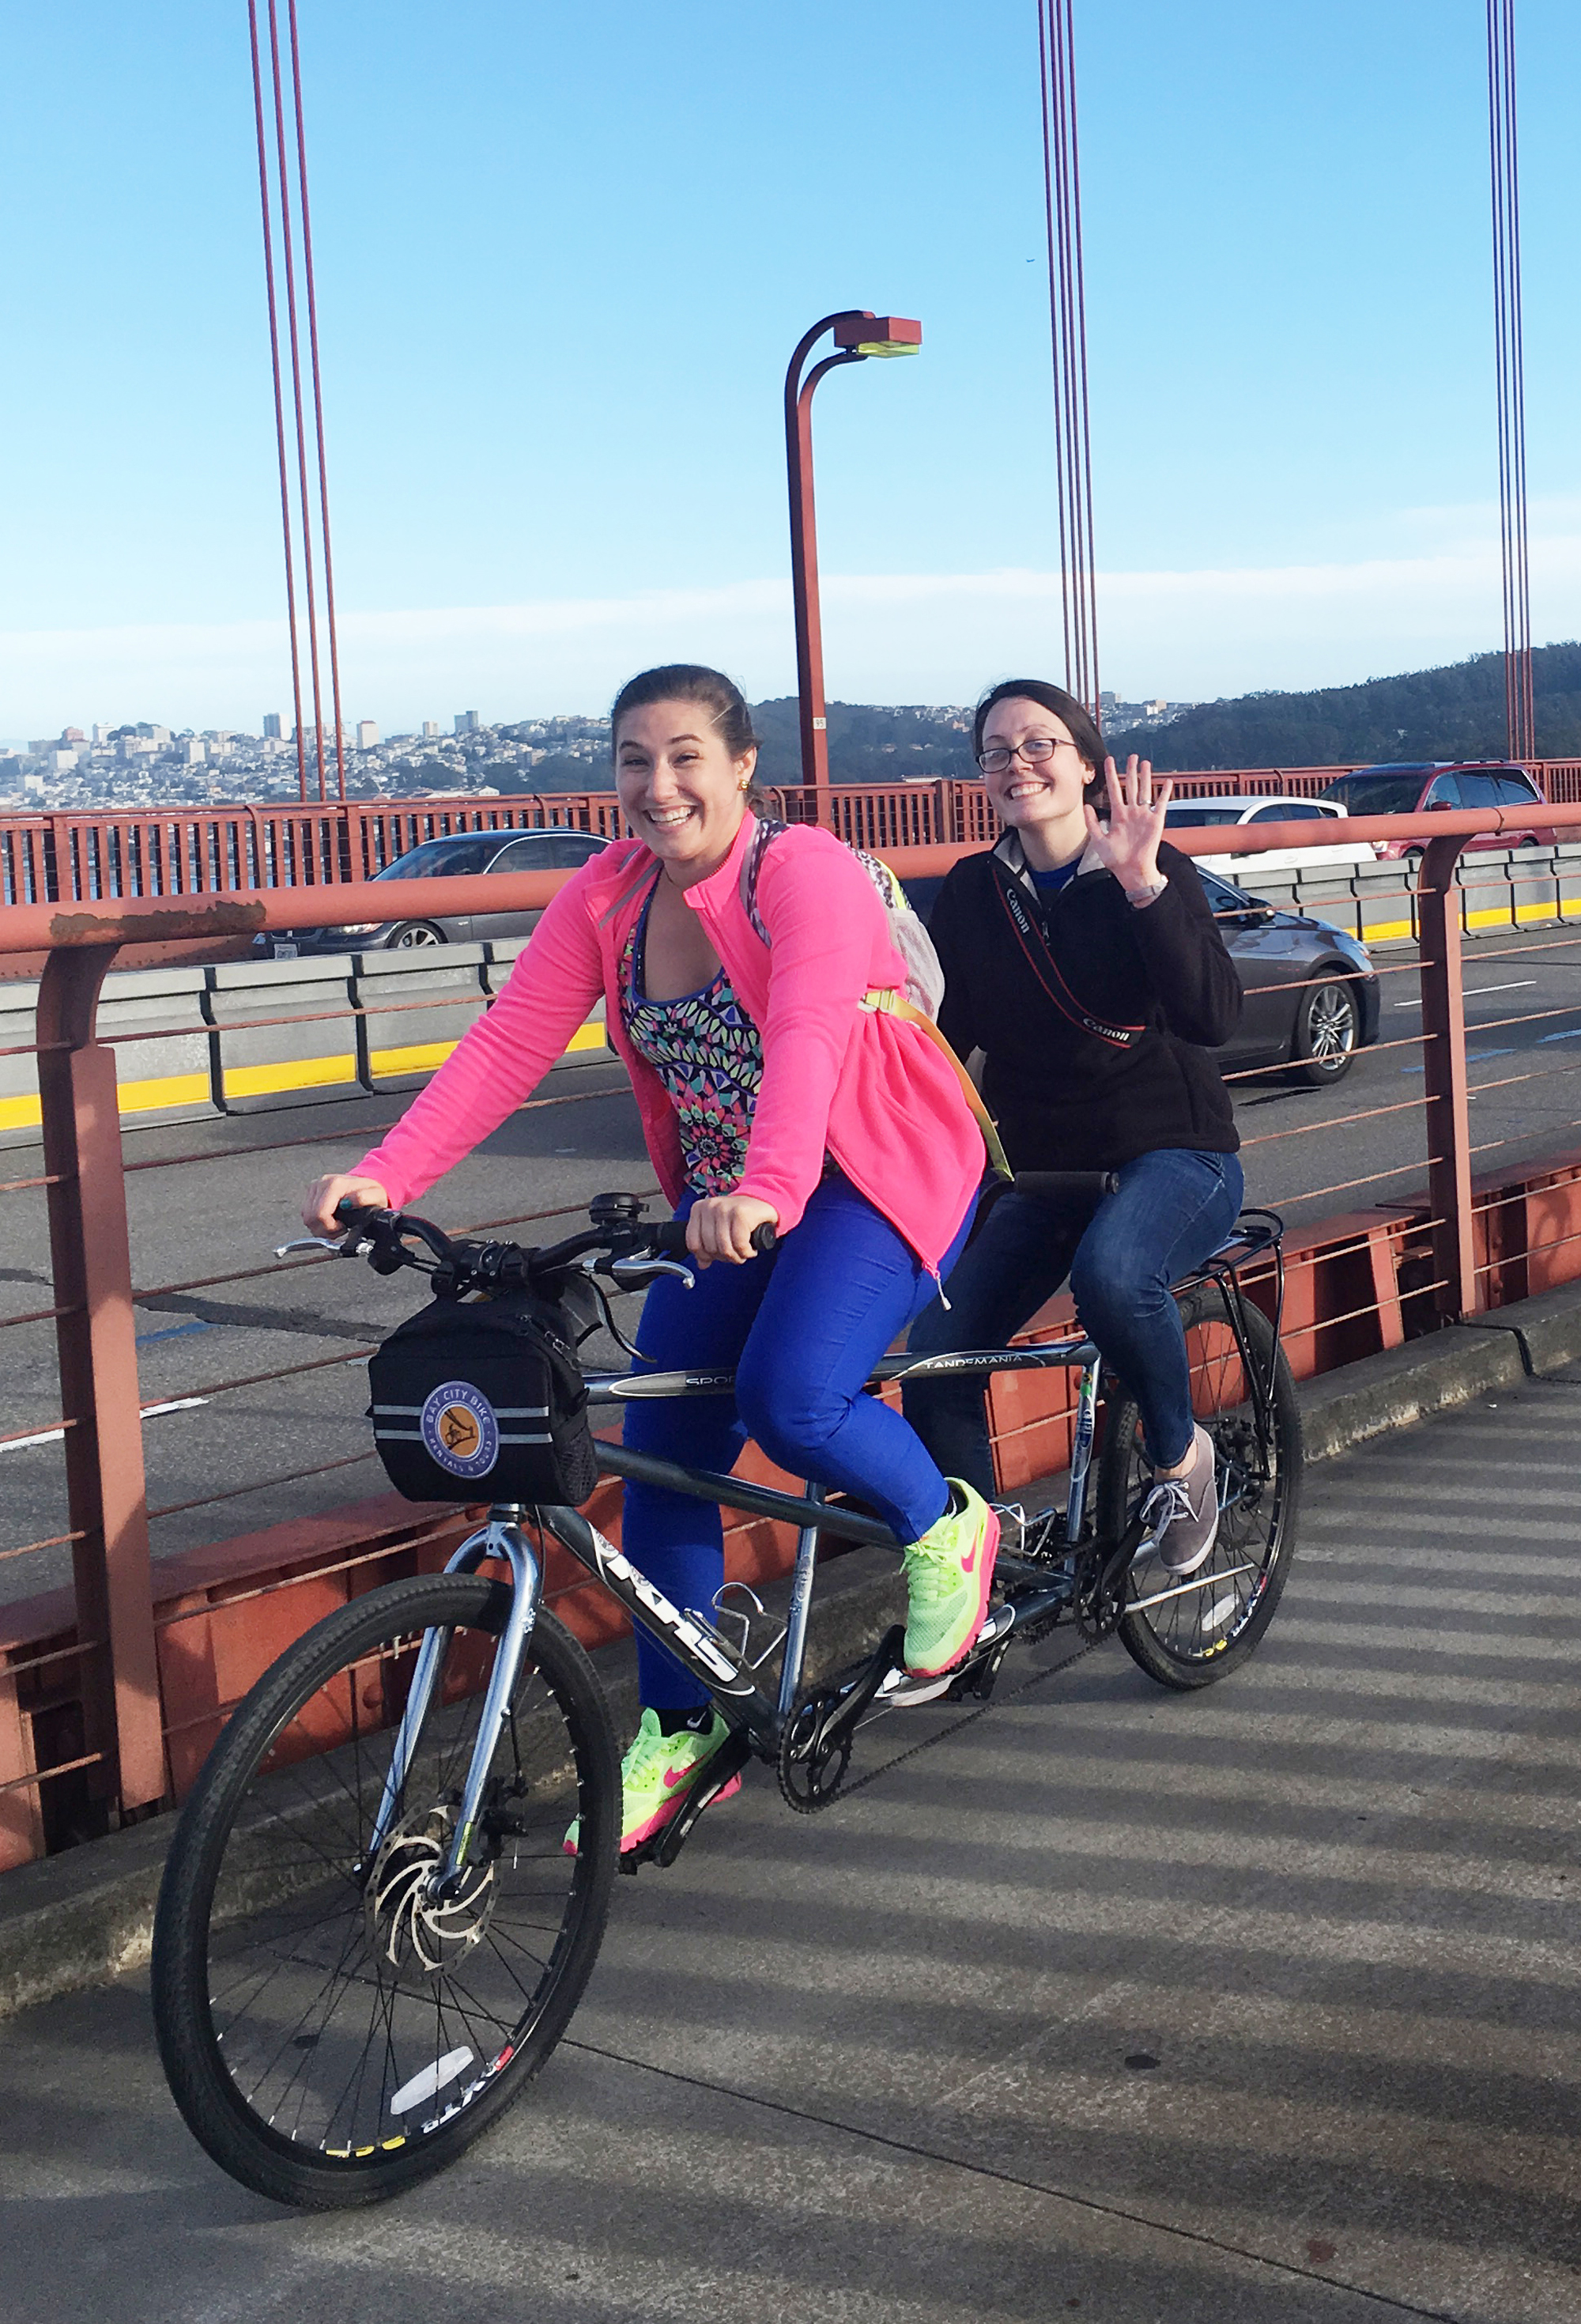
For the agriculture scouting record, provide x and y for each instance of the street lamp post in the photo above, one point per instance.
(857, 335)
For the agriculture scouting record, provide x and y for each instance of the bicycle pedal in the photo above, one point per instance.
(977, 1677)
(903, 1690)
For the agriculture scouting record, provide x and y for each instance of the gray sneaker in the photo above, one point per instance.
(1182, 1513)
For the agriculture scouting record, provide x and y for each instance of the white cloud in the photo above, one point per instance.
(888, 638)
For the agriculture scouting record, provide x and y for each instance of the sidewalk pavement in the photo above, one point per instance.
(1254, 2006)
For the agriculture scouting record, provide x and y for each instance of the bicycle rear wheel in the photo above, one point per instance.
(1195, 1631)
(330, 2030)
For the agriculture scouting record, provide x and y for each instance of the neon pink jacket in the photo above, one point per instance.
(864, 1086)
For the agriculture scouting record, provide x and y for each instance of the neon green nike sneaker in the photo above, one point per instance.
(656, 1773)
(948, 1575)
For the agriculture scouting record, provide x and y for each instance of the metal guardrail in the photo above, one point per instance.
(109, 1694)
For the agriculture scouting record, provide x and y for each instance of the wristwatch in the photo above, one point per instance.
(1137, 897)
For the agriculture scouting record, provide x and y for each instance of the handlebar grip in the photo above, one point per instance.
(669, 1239)
(1060, 1185)
(351, 1213)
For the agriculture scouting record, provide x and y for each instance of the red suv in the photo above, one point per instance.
(1419, 786)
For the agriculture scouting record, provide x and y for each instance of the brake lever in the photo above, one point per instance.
(617, 1268)
(321, 1243)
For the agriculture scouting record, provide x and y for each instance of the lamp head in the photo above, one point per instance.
(866, 333)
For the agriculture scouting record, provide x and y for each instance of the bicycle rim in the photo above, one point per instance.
(332, 2029)
(1188, 1631)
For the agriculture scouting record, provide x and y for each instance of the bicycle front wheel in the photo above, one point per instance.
(1186, 1634)
(332, 2029)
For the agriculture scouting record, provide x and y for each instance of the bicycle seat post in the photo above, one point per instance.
(801, 1606)
(1081, 1450)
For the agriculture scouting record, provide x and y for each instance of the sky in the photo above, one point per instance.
(562, 255)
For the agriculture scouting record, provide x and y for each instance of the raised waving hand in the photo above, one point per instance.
(1128, 843)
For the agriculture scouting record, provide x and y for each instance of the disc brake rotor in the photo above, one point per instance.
(408, 1920)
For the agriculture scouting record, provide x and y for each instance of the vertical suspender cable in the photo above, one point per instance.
(1067, 335)
(317, 405)
(279, 416)
(301, 584)
(1520, 707)
(294, 337)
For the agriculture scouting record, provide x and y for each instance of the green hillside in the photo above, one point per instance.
(1454, 713)
(867, 744)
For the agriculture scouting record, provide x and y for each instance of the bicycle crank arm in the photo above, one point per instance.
(1100, 1593)
(885, 1659)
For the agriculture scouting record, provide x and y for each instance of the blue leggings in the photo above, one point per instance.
(802, 1331)
(1172, 1208)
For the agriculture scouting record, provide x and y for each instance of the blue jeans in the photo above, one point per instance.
(802, 1331)
(1172, 1210)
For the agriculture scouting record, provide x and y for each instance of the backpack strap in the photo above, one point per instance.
(769, 829)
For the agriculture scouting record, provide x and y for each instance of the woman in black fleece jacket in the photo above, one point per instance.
(1081, 958)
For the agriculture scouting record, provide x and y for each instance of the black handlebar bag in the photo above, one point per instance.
(483, 1401)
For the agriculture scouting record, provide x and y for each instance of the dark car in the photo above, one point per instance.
(1310, 993)
(474, 852)
(1422, 786)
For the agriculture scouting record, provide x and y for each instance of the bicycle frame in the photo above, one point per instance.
(690, 1637)
(758, 1721)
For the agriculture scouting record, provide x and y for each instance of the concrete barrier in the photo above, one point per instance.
(239, 1036)
(258, 1060)
(416, 1005)
(170, 1076)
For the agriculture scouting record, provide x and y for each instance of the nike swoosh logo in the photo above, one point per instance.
(969, 1565)
(674, 1776)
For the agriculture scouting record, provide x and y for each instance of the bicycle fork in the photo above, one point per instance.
(501, 1537)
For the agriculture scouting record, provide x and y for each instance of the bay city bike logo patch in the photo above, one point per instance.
(460, 1430)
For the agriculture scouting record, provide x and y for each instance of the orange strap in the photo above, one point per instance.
(890, 1003)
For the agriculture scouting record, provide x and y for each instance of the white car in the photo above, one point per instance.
(1200, 814)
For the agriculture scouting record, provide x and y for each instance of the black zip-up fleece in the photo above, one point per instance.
(1155, 985)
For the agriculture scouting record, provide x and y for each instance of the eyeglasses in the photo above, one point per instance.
(1034, 750)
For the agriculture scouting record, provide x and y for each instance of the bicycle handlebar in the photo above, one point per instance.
(622, 1233)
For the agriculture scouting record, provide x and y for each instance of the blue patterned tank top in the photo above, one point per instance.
(709, 1056)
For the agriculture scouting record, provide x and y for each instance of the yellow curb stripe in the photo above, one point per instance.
(166, 1090)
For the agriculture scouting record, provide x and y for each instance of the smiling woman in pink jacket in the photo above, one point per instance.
(773, 1091)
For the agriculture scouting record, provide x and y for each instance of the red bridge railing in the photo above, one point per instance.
(110, 1688)
(122, 854)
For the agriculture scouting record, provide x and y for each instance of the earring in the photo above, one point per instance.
(745, 784)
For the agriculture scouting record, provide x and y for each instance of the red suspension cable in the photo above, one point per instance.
(279, 416)
(1520, 707)
(317, 404)
(1068, 336)
(299, 552)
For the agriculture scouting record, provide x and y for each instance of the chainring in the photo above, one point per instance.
(812, 1772)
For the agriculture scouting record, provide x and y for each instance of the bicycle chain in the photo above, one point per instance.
(957, 1725)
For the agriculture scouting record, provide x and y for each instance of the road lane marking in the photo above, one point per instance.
(1475, 992)
(149, 1412)
(165, 1090)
